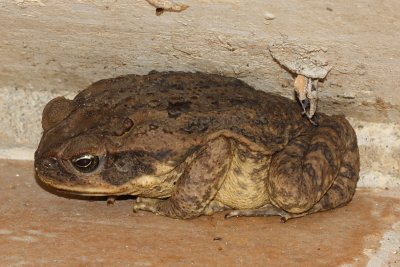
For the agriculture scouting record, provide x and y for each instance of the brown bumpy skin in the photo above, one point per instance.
(316, 171)
(192, 144)
(319, 169)
(204, 175)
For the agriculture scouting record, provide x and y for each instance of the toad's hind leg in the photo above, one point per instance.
(318, 170)
(339, 194)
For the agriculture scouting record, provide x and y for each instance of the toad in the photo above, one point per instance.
(192, 144)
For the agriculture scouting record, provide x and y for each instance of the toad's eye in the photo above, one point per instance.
(85, 163)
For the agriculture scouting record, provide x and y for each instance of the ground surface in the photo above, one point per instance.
(38, 228)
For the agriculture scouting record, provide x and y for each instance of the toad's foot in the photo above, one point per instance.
(213, 207)
(111, 200)
(158, 206)
(146, 204)
(265, 211)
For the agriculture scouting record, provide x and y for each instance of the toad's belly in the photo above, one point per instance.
(245, 185)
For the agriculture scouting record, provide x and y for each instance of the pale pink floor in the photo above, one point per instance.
(38, 228)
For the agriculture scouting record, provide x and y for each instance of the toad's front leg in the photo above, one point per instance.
(198, 184)
(147, 204)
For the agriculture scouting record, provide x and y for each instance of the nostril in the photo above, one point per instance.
(49, 163)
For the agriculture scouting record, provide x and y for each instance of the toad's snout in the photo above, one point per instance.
(49, 163)
(46, 167)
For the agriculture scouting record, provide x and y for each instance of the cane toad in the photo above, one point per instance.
(191, 144)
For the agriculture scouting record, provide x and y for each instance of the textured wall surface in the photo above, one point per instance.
(50, 48)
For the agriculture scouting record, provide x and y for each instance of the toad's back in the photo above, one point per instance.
(198, 104)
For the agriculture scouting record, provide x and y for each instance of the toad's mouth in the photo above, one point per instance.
(85, 190)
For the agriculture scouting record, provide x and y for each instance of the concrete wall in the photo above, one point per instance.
(50, 48)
